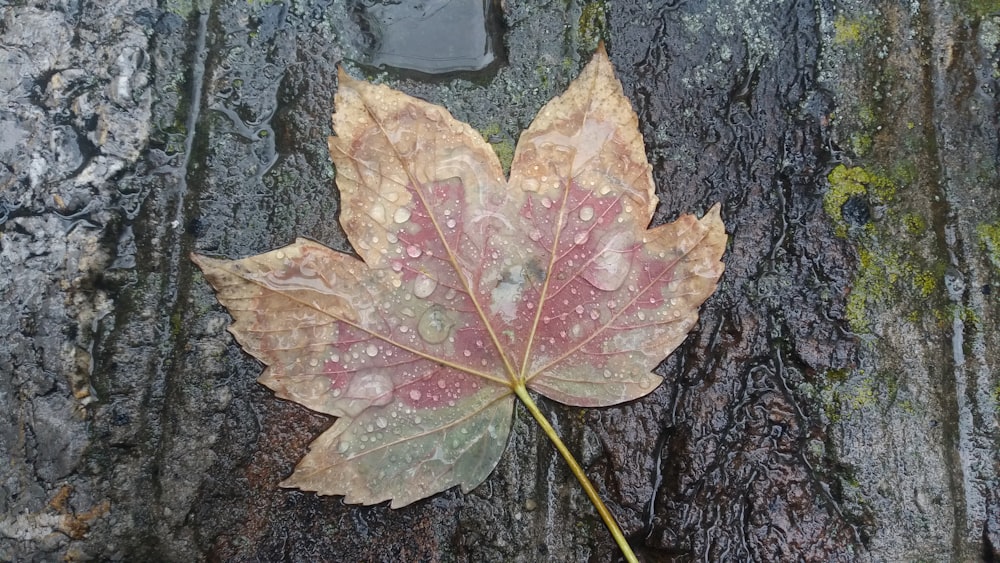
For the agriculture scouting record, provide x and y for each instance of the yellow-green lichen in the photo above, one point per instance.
(844, 183)
(925, 283)
(862, 395)
(989, 240)
(877, 272)
(915, 224)
(856, 181)
(841, 392)
(849, 30)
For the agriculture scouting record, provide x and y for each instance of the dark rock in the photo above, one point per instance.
(837, 402)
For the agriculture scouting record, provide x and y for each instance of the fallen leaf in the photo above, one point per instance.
(469, 288)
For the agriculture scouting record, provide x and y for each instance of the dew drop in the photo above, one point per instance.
(450, 223)
(586, 213)
(442, 384)
(371, 350)
(413, 251)
(415, 394)
(423, 286)
(580, 237)
(343, 446)
(535, 235)
(401, 215)
(546, 202)
(397, 266)
(595, 314)
(434, 325)
(641, 315)
(381, 422)
(279, 255)
(378, 213)
(579, 309)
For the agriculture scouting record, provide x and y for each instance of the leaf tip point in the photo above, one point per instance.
(344, 79)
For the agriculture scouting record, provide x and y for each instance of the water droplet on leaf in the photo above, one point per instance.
(423, 286)
(401, 215)
(435, 325)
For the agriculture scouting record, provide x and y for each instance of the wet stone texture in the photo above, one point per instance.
(838, 401)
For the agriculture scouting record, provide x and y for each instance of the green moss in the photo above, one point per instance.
(979, 8)
(989, 240)
(502, 146)
(176, 325)
(592, 24)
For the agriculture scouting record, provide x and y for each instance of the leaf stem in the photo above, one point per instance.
(588, 487)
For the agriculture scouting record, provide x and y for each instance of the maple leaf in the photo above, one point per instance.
(470, 289)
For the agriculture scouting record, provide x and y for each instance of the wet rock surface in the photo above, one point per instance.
(837, 402)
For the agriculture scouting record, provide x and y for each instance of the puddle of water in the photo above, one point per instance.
(432, 37)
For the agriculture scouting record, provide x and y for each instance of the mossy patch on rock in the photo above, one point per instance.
(847, 183)
(889, 272)
(592, 25)
(989, 241)
(502, 145)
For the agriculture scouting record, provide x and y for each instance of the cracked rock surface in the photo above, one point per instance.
(838, 401)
